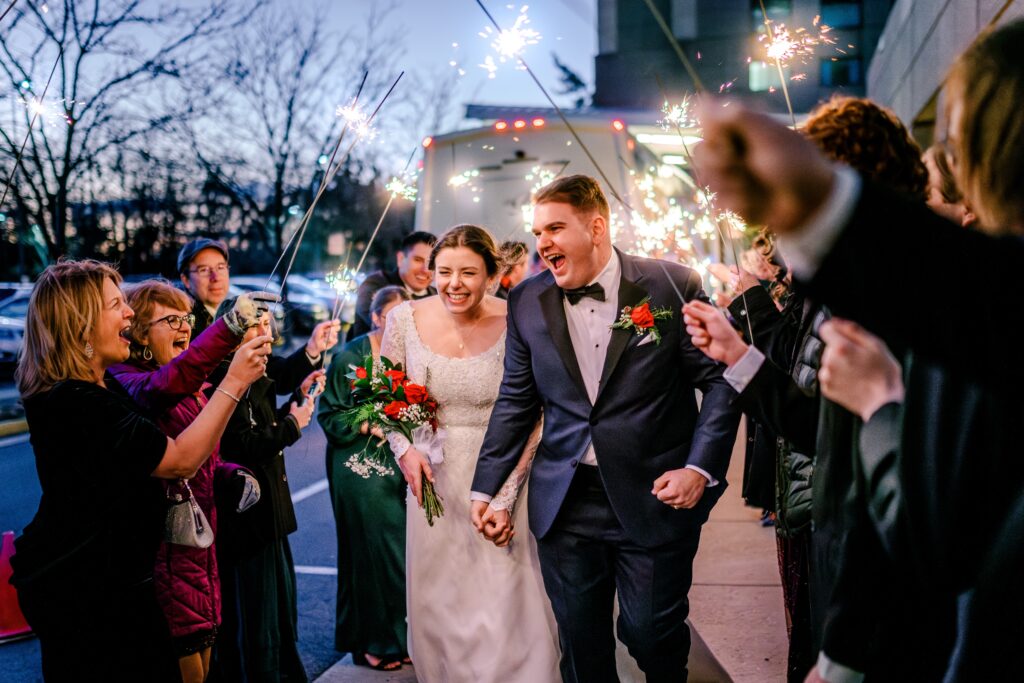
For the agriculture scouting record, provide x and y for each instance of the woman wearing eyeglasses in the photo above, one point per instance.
(164, 375)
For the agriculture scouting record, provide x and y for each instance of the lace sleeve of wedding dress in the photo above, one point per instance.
(506, 498)
(393, 348)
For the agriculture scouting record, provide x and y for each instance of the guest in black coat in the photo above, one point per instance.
(838, 224)
(257, 640)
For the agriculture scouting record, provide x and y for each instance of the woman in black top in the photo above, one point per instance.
(83, 568)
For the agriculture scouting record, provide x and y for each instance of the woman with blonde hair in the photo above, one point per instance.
(83, 568)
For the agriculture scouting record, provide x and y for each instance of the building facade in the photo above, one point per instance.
(636, 63)
(916, 49)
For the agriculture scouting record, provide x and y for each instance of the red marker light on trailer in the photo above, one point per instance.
(618, 125)
(501, 125)
(538, 122)
(428, 141)
(519, 124)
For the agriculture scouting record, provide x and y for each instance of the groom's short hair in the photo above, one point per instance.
(581, 192)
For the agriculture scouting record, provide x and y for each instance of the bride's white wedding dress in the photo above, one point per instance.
(477, 613)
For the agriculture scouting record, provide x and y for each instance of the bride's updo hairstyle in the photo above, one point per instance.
(472, 237)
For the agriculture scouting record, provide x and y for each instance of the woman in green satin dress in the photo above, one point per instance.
(370, 516)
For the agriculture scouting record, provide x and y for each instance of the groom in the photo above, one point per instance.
(628, 468)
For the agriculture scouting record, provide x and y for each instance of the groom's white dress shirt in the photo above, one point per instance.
(590, 329)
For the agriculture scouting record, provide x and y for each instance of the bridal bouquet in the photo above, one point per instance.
(388, 401)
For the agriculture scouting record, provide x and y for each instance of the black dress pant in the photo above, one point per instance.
(585, 559)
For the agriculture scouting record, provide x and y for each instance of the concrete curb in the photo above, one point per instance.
(13, 427)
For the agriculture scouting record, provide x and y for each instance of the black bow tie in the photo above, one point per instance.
(594, 291)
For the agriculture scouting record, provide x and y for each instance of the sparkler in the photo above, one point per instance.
(558, 110)
(31, 123)
(328, 176)
(344, 282)
(784, 46)
(509, 43)
(667, 30)
(8, 9)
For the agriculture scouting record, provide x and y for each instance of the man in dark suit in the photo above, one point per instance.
(628, 468)
(411, 272)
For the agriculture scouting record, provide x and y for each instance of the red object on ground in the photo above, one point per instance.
(12, 622)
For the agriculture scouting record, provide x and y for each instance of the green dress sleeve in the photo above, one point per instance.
(337, 396)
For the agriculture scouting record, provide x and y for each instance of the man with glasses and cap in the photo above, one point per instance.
(204, 272)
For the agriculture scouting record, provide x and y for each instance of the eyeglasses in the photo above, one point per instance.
(174, 321)
(205, 271)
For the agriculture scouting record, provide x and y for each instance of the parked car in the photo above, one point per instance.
(9, 288)
(302, 312)
(12, 336)
(16, 305)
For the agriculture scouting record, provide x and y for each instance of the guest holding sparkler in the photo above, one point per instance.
(412, 271)
(259, 633)
(369, 509)
(84, 566)
(164, 375)
(966, 564)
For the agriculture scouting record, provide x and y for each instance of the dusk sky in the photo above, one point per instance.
(429, 27)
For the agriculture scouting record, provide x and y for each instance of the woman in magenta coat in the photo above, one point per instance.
(164, 376)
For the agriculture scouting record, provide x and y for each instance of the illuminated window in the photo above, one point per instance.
(763, 77)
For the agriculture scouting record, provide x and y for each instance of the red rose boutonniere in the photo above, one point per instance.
(640, 319)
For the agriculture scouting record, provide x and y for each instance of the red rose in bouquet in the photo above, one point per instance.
(642, 316)
(415, 393)
(385, 398)
(395, 408)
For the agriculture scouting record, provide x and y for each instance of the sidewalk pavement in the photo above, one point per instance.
(735, 603)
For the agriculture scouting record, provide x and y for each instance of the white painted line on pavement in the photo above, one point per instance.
(311, 490)
(13, 440)
(316, 571)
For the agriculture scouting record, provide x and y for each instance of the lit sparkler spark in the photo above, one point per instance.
(678, 115)
(358, 121)
(784, 45)
(51, 113)
(464, 178)
(398, 187)
(509, 43)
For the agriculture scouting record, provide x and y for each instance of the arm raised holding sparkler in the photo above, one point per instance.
(832, 224)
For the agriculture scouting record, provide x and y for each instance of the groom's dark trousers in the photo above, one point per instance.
(600, 530)
(584, 556)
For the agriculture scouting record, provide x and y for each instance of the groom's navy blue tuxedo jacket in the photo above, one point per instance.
(645, 420)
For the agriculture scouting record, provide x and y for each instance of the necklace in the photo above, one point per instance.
(462, 338)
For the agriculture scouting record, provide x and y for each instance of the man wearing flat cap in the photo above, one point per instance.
(203, 269)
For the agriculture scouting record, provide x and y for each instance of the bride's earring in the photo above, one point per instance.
(146, 353)
(89, 351)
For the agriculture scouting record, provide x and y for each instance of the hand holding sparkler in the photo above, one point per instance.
(324, 337)
(760, 169)
(712, 333)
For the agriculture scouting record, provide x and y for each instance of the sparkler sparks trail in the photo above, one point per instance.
(561, 114)
(509, 43)
(678, 115)
(328, 176)
(52, 113)
(31, 123)
(357, 120)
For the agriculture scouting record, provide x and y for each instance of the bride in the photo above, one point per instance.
(477, 612)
